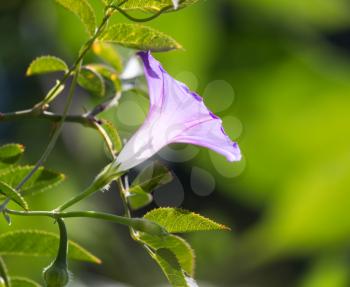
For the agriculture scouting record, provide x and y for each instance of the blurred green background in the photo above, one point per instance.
(278, 72)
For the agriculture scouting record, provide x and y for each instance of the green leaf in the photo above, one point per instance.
(151, 5)
(182, 251)
(153, 176)
(40, 243)
(171, 267)
(92, 81)
(41, 181)
(176, 245)
(139, 37)
(109, 74)
(10, 154)
(138, 198)
(11, 193)
(176, 220)
(23, 282)
(46, 64)
(149, 179)
(113, 135)
(83, 10)
(109, 54)
(4, 274)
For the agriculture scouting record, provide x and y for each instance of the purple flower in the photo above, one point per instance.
(176, 115)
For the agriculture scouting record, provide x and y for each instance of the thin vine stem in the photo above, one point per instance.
(74, 69)
(139, 224)
(142, 20)
(45, 115)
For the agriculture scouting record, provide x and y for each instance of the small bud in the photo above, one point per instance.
(56, 275)
(2, 282)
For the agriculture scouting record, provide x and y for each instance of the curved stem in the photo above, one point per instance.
(63, 247)
(140, 20)
(74, 69)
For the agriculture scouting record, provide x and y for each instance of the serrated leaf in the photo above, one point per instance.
(92, 81)
(176, 220)
(171, 267)
(10, 154)
(83, 10)
(152, 5)
(113, 135)
(4, 273)
(109, 54)
(138, 198)
(41, 181)
(139, 37)
(11, 193)
(46, 64)
(178, 246)
(23, 282)
(40, 243)
(151, 177)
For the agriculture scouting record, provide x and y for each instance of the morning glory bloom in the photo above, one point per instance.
(176, 115)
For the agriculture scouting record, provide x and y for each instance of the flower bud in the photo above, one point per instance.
(2, 282)
(56, 275)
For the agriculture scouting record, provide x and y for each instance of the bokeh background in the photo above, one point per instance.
(278, 72)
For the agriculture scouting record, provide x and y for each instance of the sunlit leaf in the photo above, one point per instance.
(23, 282)
(46, 64)
(10, 154)
(139, 37)
(138, 198)
(109, 54)
(40, 243)
(41, 181)
(178, 246)
(152, 5)
(176, 220)
(11, 193)
(83, 10)
(171, 267)
(92, 81)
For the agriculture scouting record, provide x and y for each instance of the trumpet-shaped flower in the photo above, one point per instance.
(176, 115)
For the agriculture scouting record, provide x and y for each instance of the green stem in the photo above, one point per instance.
(63, 247)
(86, 193)
(139, 224)
(76, 69)
(57, 133)
(34, 114)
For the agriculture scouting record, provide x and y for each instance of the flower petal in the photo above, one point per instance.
(176, 115)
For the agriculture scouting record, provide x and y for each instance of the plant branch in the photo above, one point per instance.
(35, 114)
(139, 224)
